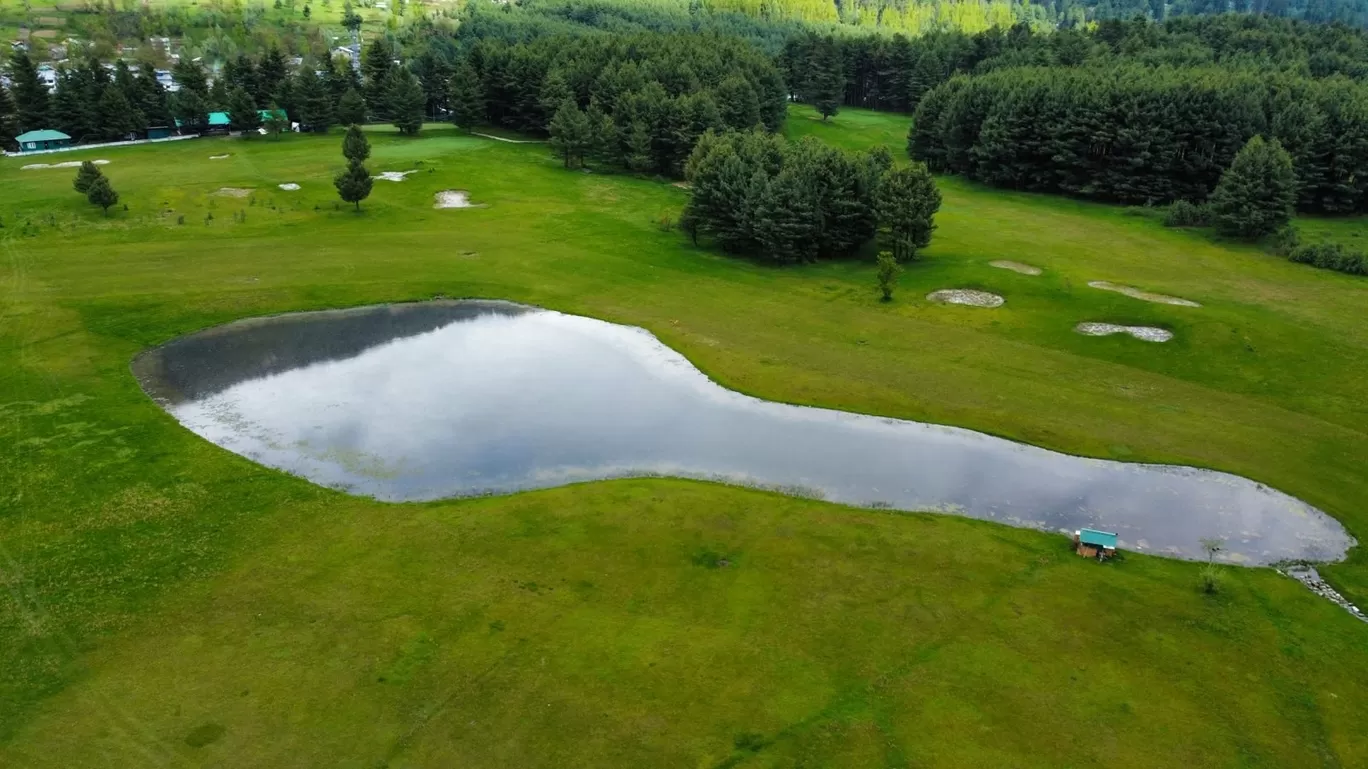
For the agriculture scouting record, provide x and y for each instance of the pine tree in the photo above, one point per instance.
(406, 101)
(242, 112)
(377, 64)
(906, 202)
(354, 184)
(315, 101)
(740, 107)
(570, 133)
(467, 98)
(786, 220)
(117, 118)
(351, 108)
(189, 108)
(102, 194)
(31, 103)
(271, 72)
(639, 147)
(1256, 194)
(605, 145)
(8, 120)
(85, 177)
(355, 146)
(826, 85)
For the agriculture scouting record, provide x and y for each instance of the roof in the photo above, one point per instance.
(1098, 538)
(267, 114)
(45, 135)
(218, 118)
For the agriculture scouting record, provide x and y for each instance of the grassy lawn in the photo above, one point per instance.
(170, 603)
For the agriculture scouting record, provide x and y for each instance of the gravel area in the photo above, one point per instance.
(452, 199)
(234, 192)
(1307, 575)
(965, 296)
(1008, 264)
(1147, 296)
(1145, 333)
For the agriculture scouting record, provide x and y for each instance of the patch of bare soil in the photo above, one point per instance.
(67, 164)
(393, 176)
(234, 192)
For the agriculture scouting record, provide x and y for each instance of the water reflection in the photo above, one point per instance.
(441, 399)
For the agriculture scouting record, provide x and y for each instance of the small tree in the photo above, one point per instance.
(354, 184)
(86, 176)
(887, 274)
(276, 122)
(570, 133)
(351, 108)
(467, 98)
(242, 111)
(355, 147)
(102, 194)
(1255, 195)
(906, 201)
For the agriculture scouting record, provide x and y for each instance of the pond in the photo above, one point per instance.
(456, 398)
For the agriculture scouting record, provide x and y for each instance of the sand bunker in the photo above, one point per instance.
(393, 176)
(1136, 293)
(966, 296)
(234, 192)
(289, 186)
(453, 199)
(218, 157)
(1008, 264)
(1145, 333)
(67, 164)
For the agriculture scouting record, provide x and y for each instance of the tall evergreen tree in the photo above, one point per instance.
(1256, 194)
(467, 99)
(31, 103)
(314, 100)
(351, 108)
(826, 84)
(242, 111)
(9, 123)
(906, 201)
(404, 96)
(117, 118)
(638, 147)
(271, 73)
(570, 134)
(377, 64)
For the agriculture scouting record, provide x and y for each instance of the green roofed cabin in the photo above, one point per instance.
(35, 141)
(1091, 543)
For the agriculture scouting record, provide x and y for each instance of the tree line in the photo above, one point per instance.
(1132, 134)
(792, 202)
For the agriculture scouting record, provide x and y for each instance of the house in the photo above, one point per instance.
(1091, 543)
(218, 123)
(47, 74)
(46, 139)
(158, 132)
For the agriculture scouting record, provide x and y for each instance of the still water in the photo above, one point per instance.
(444, 399)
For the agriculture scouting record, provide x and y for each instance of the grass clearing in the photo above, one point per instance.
(170, 602)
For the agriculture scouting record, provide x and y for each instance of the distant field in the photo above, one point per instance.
(172, 603)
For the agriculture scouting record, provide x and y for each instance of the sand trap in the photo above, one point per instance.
(219, 157)
(1145, 333)
(234, 192)
(67, 164)
(453, 199)
(289, 186)
(1136, 293)
(1008, 264)
(393, 176)
(966, 296)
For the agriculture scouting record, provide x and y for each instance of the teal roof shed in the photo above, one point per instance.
(1105, 539)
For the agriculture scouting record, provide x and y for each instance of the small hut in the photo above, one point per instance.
(36, 141)
(1091, 543)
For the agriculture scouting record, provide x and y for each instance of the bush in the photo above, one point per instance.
(1330, 256)
(1212, 581)
(1186, 214)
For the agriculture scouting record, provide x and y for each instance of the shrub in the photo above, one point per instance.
(1186, 214)
(1212, 581)
(1331, 256)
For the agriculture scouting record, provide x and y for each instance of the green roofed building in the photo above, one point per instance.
(1091, 543)
(35, 141)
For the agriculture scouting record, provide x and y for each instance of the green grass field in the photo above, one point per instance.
(168, 602)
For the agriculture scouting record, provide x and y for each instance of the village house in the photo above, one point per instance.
(1091, 543)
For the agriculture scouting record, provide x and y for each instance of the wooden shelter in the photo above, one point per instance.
(1091, 543)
